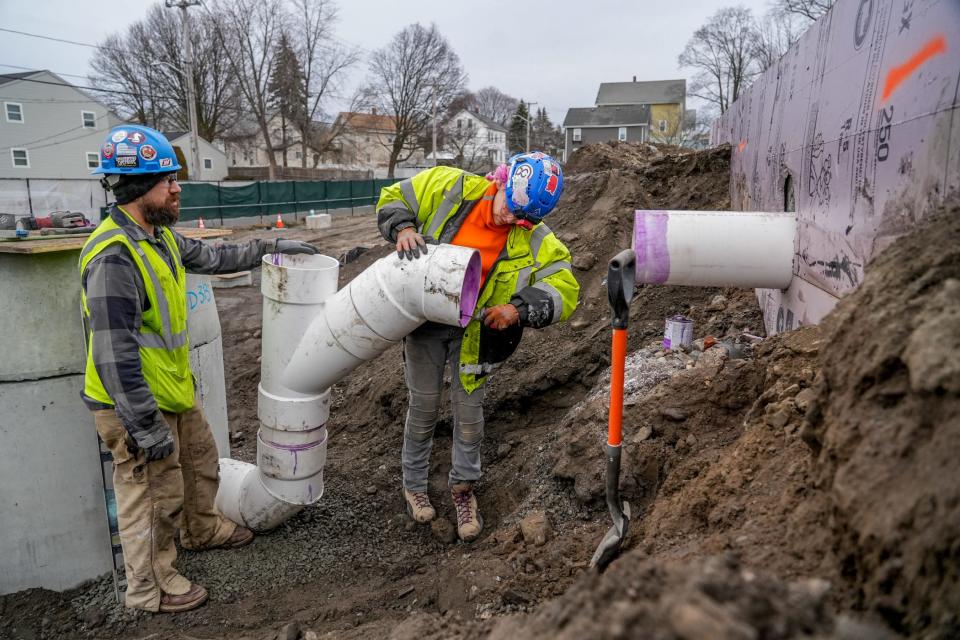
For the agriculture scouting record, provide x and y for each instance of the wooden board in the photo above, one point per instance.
(75, 242)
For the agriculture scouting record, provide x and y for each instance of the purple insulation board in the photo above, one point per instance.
(858, 127)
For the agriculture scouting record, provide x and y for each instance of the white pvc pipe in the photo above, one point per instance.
(379, 307)
(292, 440)
(715, 248)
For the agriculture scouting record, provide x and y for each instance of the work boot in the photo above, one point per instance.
(240, 537)
(192, 599)
(418, 506)
(469, 522)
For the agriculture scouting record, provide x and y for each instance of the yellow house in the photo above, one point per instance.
(667, 100)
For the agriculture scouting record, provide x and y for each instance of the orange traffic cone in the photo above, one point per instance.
(280, 224)
(201, 225)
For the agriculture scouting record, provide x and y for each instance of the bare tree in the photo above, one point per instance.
(145, 67)
(463, 139)
(247, 31)
(324, 62)
(774, 35)
(809, 9)
(723, 53)
(404, 77)
(492, 103)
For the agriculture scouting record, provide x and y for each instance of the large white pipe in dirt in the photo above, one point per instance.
(292, 440)
(312, 337)
(745, 249)
(379, 308)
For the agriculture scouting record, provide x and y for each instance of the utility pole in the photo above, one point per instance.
(434, 116)
(529, 116)
(183, 5)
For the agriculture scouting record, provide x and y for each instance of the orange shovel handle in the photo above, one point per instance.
(617, 364)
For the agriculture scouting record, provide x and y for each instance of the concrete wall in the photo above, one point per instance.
(52, 130)
(860, 121)
(590, 135)
(53, 520)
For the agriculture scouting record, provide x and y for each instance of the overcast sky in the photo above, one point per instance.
(554, 53)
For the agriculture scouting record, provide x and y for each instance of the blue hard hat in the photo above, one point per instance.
(132, 149)
(534, 185)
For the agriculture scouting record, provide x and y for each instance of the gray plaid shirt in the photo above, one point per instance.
(117, 299)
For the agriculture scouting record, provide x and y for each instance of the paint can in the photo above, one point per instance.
(678, 332)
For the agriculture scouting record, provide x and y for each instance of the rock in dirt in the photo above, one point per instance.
(443, 531)
(290, 631)
(584, 261)
(672, 413)
(886, 430)
(536, 528)
(504, 450)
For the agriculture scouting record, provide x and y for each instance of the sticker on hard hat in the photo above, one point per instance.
(552, 183)
(107, 150)
(123, 149)
(136, 137)
(130, 162)
(166, 162)
(147, 152)
(118, 136)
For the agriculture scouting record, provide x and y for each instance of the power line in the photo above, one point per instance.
(54, 135)
(52, 39)
(59, 73)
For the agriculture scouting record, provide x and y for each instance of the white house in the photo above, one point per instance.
(477, 143)
(213, 161)
(49, 128)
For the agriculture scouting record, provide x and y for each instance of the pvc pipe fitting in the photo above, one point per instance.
(752, 250)
(379, 307)
(243, 498)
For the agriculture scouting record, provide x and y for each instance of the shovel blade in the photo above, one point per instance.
(612, 541)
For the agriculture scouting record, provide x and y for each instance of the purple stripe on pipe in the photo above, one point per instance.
(471, 289)
(650, 245)
(295, 447)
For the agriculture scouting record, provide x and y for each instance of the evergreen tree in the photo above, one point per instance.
(517, 136)
(287, 88)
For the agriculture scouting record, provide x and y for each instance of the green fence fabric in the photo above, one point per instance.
(263, 198)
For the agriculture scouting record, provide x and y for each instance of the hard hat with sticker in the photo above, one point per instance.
(134, 149)
(534, 185)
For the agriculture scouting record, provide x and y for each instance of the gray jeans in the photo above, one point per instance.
(426, 352)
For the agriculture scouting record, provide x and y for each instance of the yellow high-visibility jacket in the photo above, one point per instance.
(533, 270)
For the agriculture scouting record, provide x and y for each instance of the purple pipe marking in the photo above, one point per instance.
(650, 245)
(295, 448)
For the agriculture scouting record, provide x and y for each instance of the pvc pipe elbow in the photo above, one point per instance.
(380, 307)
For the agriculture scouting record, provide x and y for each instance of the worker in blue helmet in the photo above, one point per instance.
(527, 282)
(138, 382)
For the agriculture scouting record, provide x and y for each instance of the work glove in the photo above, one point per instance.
(294, 246)
(160, 450)
(500, 317)
(410, 244)
(157, 450)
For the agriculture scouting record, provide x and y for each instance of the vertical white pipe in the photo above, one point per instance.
(715, 248)
(379, 307)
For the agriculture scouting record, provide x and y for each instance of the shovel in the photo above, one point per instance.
(620, 277)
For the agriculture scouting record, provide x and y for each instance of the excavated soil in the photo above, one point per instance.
(791, 487)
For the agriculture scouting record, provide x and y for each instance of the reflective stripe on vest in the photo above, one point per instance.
(453, 197)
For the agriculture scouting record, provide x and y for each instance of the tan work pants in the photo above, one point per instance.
(154, 498)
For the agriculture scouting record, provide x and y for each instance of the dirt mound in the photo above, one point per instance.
(714, 598)
(617, 155)
(887, 430)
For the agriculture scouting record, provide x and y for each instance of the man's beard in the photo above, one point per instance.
(160, 216)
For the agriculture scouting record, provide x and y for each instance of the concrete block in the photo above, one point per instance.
(319, 221)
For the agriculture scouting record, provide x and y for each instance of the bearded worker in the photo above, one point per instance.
(527, 282)
(138, 381)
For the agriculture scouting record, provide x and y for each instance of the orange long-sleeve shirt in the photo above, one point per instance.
(481, 233)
